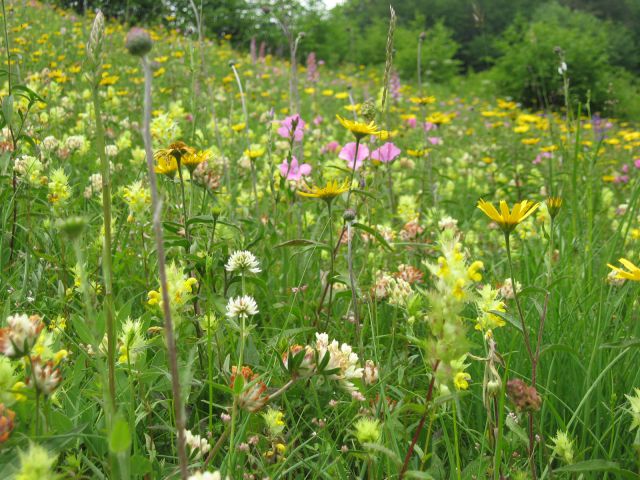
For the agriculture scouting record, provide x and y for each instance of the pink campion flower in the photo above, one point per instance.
(624, 168)
(294, 171)
(435, 140)
(318, 120)
(292, 126)
(386, 153)
(541, 156)
(636, 162)
(428, 126)
(412, 122)
(332, 146)
(348, 154)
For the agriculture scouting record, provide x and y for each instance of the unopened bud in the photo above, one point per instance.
(138, 42)
(349, 215)
(72, 227)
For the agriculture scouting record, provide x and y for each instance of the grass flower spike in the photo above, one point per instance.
(505, 219)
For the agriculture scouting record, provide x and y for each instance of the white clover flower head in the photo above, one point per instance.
(21, 334)
(241, 307)
(198, 445)
(370, 373)
(243, 261)
(205, 476)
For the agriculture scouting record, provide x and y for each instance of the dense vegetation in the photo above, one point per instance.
(186, 227)
(515, 41)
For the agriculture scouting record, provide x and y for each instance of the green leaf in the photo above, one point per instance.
(120, 437)
(7, 109)
(140, 465)
(28, 93)
(303, 242)
(597, 465)
(238, 384)
(507, 318)
(375, 233)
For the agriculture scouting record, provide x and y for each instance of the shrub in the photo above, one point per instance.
(532, 53)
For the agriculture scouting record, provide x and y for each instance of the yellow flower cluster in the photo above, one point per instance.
(180, 286)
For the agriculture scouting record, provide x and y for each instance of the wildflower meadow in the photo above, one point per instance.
(227, 262)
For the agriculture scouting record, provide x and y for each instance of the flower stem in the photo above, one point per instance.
(157, 227)
(353, 170)
(106, 248)
(527, 343)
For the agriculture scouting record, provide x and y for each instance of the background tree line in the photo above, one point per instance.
(517, 44)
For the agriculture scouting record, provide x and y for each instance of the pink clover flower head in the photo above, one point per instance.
(332, 147)
(294, 171)
(386, 153)
(292, 126)
(348, 154)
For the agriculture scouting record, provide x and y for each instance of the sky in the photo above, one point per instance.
(331, 3)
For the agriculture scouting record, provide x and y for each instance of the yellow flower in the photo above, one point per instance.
(327, 193)
(632, 273)
(166, 165)
(422, 100)
(418, 152)
(359, 129)
(255, 151)
(238, 127)
(553, 206)
(169, 159)
(461, 380)
(506, 220)
(192, 159)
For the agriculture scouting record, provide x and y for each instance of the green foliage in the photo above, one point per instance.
(438, 53)
(533, 52)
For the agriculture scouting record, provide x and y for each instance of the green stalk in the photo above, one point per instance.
(168, 322)
(106, 246)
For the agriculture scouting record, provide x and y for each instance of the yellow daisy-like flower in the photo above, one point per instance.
(423, 100)
(417, 153)
(359, 129)
(631, 273)
(169, 159)
(254, 152)
(166, 165)
(508, 220)
(176, 150)
(192, 159)
(328, 192)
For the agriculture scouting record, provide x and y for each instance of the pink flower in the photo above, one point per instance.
(411, 122)
(541, 156)
(636, 162)
(386, 153)
(625, 168)
(428, 126)
(331, 147)
(348, 154)
(435, 140)
(294, 171)
(292, 126)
